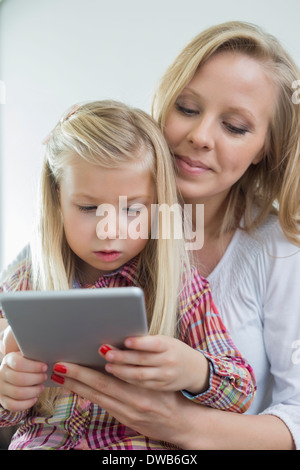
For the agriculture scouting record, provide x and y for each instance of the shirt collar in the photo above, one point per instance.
(128, 271)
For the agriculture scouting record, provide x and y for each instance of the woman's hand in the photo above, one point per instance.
(159, 363)
(149, 412)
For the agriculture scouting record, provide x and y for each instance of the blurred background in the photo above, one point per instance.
(54, 53)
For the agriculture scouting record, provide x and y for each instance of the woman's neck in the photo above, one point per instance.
(215, 242)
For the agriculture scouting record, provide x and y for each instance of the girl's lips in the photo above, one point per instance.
(107, 255)
(190, 166)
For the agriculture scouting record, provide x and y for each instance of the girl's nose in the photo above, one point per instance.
(107, 227)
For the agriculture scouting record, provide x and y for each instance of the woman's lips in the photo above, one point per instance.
(192, 167)
(107, 255)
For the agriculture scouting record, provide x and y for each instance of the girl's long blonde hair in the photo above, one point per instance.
(273, 184)
(109, 134)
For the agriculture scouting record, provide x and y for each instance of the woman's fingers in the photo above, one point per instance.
(94, 385)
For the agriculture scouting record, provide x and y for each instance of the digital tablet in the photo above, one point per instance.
(71, 325)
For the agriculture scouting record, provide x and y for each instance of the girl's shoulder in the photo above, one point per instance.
(17, 275)
(196, 290)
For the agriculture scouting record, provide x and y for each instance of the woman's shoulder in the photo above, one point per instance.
(252, 256)
(268, 240)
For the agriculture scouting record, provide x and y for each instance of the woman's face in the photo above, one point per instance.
(218, 125)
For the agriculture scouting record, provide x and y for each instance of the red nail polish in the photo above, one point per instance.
(60, 369)
(104, 349)
(58, 379)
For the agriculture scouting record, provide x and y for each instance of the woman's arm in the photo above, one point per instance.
(231, 431)
(170, 417)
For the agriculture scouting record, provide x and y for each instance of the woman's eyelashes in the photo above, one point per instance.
(235, 129)
(191, 111)
(186, 110)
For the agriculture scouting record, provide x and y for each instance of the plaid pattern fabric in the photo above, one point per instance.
(80, 424)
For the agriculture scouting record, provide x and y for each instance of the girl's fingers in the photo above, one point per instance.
(156, 343)
(14, 405)
(18, 363)
(22, 394)
(142, 351)
(26, 379)
(133, 358)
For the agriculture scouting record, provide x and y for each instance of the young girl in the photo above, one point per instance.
(102, 153)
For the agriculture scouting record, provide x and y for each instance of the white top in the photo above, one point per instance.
(256, 289)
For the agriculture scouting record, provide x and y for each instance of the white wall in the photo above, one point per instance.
(57, 52)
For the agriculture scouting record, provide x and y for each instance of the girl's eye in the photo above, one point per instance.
(87, 208)
(186, 110)
(236, 130)
(133, 211)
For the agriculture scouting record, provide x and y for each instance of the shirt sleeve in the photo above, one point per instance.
(16, 276)
(279, 266)
(11, 418)
(232, 383)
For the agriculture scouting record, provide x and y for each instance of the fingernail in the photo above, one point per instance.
(60, 369)
(58, 379)
(104, 349)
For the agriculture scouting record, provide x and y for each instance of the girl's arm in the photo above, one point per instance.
(204, 363)
(3, 325)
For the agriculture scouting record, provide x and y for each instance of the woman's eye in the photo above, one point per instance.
(186, 110)
(236, 130)
(87, 208)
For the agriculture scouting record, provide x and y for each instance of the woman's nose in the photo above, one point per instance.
(201, 134)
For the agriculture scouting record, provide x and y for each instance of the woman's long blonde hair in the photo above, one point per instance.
(273, 184)
(109, 134)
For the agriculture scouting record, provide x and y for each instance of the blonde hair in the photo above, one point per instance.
(109, 134)
(273, 184)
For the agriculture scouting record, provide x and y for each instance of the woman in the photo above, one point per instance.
(226, 109)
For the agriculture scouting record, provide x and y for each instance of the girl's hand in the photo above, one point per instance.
(21, 381)
(8, 343)
(159, 363)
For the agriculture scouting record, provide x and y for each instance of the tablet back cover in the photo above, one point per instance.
(70, 326)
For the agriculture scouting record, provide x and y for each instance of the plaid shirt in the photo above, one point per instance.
(81, 424)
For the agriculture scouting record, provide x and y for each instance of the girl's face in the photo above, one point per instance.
(218, 125)
(103, 229)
